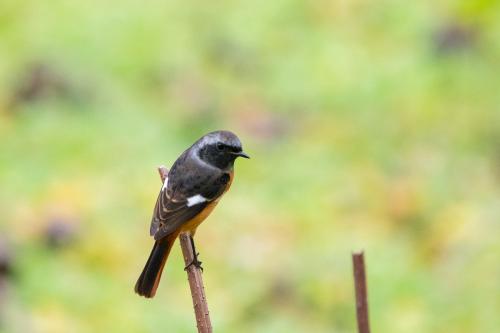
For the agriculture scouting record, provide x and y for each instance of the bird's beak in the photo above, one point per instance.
(241, 154)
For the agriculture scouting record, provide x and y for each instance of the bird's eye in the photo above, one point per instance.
(220, 146)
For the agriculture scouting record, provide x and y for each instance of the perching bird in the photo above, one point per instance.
(195, 183)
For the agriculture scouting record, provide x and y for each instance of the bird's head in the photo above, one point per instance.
(220, 149)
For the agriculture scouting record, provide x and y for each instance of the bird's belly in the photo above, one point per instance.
(192, 224)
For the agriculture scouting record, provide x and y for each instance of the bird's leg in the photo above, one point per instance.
(196, 263)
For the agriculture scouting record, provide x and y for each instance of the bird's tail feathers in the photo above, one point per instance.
(150, 277)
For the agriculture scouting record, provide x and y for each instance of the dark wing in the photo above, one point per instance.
(172, 209)
(169, 215)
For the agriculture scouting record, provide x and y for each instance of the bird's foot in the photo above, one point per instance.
(195, 262)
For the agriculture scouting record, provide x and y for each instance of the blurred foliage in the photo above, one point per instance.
(371, 125)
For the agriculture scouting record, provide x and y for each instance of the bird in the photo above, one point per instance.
(197, 180)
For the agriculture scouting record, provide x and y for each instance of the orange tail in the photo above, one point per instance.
(149, 280)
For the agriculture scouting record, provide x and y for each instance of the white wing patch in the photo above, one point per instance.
(195, 199)
(165, 183)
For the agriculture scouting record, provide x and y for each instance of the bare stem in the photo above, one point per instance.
(358, 262)
(194, 276)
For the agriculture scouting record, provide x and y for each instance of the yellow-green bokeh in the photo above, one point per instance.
(371, 125)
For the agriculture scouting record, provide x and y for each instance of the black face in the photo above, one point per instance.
(221, 155)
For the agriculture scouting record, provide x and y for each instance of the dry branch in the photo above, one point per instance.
(194, 276)
(358, 262)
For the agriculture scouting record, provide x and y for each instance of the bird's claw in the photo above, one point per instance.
(195, 262)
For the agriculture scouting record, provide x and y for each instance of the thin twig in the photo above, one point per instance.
(5, 274)
(194, 276)
(358, 263)
(197, 289)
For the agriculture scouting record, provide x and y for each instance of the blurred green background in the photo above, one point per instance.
(372, 125)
